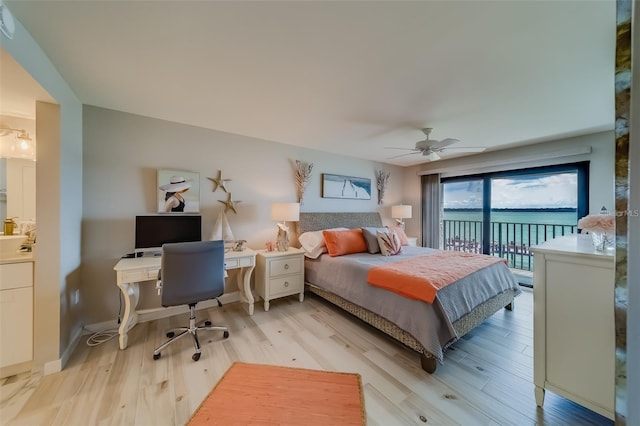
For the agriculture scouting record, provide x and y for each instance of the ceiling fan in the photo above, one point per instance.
(433, 148)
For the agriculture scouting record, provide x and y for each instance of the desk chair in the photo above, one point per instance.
(190, 273)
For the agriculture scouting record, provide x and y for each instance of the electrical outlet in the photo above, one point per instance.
(75, 297)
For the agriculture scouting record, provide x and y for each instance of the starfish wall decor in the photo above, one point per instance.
(218, 182)
(229, 204)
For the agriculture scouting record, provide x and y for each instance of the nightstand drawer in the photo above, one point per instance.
(286, 285)
(279, 267)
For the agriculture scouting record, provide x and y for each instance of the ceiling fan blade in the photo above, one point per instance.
(465, 149)
(402, 155)
(403, 149)
(443, 143)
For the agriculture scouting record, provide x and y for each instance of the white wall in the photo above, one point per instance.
(122, 153)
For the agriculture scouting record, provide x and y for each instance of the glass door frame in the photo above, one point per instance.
(582, 207)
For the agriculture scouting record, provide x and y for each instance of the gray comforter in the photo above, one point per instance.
(430, 324)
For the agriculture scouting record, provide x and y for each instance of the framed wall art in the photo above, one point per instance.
(178, 191)
(339, 186)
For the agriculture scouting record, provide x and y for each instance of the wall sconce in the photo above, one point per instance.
(400, 212)
(22, 147)
(284, 212)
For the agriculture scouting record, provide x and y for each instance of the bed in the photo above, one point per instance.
(427, 328)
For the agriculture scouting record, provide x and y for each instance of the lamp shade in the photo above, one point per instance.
(285, 212)
(403, 211)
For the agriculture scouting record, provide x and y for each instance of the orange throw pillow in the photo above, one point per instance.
(403, 236)
(344, 242)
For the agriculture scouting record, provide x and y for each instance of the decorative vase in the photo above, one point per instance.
(601, 240)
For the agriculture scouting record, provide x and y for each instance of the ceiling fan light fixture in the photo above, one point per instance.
(432, 156)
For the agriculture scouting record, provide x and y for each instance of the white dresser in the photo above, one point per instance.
(574, 334)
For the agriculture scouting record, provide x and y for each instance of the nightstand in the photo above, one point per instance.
(279, 274)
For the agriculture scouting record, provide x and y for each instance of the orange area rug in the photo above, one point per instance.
(265, 394)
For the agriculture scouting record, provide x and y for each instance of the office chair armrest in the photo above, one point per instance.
(159, 284)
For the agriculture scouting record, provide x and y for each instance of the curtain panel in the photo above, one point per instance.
(431, 208)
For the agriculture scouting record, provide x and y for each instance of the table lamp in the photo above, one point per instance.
(284, 212)
(400, 212)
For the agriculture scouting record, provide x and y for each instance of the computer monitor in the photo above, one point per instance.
(153, 231)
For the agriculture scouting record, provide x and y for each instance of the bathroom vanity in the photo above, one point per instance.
(16, 306)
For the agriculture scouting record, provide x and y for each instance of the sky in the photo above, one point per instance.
(533, 191)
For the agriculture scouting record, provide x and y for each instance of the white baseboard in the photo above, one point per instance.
(51, 367)
(145, 315)
(100, 326)
(73, 344)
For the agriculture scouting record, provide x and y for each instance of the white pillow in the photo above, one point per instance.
(313, 243)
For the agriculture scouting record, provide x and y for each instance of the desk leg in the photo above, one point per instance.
(130, 294)
(244, 286)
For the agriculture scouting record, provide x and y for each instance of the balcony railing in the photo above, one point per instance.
(509, 240)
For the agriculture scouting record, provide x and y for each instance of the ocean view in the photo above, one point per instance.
(544, 216)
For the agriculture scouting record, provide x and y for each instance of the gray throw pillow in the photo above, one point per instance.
(371, 238)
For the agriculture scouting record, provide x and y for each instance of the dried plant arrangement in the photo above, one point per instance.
(382, 179)
(302, 174)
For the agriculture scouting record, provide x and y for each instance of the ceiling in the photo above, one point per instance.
(18, 91)
(349, 77)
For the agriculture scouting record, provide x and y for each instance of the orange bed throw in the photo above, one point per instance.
(421, 277)
(254, 394)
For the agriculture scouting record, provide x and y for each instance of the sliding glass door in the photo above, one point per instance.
(463, 214)
(505, 213)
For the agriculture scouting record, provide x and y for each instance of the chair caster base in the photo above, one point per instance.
(156, 356)
(196, 356)
(225, 334)
(207, 323)
(170, 334)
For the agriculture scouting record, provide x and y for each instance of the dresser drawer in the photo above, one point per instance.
(286, 285)
(279, 267)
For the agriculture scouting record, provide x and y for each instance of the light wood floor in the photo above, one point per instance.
(486, 377)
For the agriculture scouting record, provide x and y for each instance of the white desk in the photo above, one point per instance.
(130, 272)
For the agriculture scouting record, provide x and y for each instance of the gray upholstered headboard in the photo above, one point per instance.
(317, 221)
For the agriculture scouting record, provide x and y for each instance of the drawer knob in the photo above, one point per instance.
(286, 283)
(286, 266)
